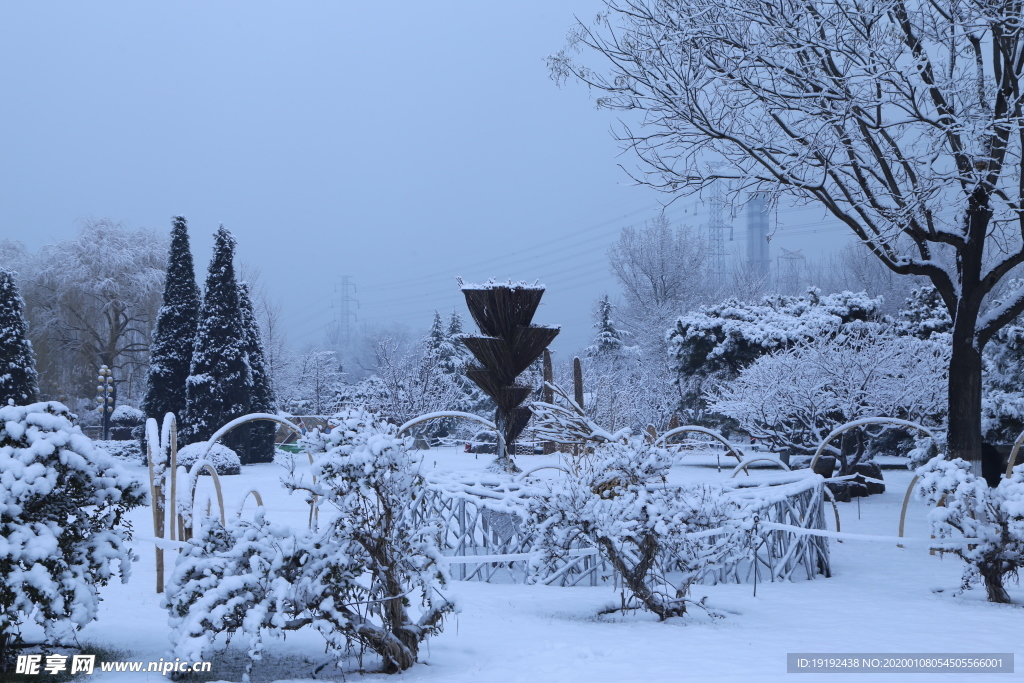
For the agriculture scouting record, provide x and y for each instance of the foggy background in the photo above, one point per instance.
(398, 145)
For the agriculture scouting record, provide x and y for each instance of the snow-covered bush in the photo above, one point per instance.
(122, 450)
(62, 502)
(224, 460)
(355, 581)
(254, 580)
(617, 501)
(717, 342)
(794, 397)
(992, 519)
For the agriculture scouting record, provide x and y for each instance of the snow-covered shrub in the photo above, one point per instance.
(991, 518)
(254, 580)
(62, 502)
(224, 460)
(370, 477)
(617, 501)
(122, 450)
(715, 343)
(793, 398)
(355, 580)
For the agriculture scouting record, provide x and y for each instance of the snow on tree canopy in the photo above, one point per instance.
(219, 386)
(18, 377)
(62, 503)
(126, 413)
(721, 340)
(223, 459)
(171, 352)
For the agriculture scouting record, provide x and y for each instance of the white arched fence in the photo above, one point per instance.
(162, 455)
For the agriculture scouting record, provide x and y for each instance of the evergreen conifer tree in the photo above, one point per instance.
(435, 337)
(171, 353)
(18, 379)
(608, 339)
(261, 434)
(219, 386)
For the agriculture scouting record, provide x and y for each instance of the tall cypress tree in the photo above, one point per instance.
(261, 434)
(171, 354)
(219, 386)
(18, 379)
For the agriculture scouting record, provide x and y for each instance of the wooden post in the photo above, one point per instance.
(577, 385)
(549, 394)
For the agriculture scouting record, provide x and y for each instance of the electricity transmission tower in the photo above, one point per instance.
(789, 266)
(344, 315)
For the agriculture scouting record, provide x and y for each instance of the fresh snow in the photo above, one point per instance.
(881, 598)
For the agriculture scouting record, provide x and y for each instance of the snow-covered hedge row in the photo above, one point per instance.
(62, 502)
(354, 581)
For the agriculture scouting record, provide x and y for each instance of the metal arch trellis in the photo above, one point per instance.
(1013, 455)
(162, 455)
(758, 458)
(841, 429)
(663, 439)
(877, 420)
(446, 413)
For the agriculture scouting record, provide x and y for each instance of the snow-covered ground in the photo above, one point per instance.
(881, 598)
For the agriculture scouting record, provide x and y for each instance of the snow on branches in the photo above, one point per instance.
(991, 519)
(354, 581)
(62, 503)
(568, 423)
(617, 501)
(795, 397)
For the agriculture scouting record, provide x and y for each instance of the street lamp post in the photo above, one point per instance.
(106, 396)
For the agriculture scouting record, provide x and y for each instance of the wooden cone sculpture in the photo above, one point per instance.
(507, 345)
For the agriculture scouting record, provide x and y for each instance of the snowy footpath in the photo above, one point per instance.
(880, 599)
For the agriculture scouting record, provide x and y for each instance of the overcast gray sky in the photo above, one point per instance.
(399, 143)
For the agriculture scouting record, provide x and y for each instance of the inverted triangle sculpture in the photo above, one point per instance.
(507, 345)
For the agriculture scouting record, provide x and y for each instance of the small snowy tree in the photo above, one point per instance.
(94, 302)
(663, 273)
(62, 507)
(171, 354)
(219, 386)
(355, 581)
(17, 361)
(990, 519)
(318, 383)
(617, 501)
(609, 339)
(414, 382)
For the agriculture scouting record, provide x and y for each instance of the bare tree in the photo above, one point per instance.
(92, 302)
(414, 382)
(902, 119)
(660, 267)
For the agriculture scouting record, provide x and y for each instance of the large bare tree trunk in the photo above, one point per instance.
(964, 436)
